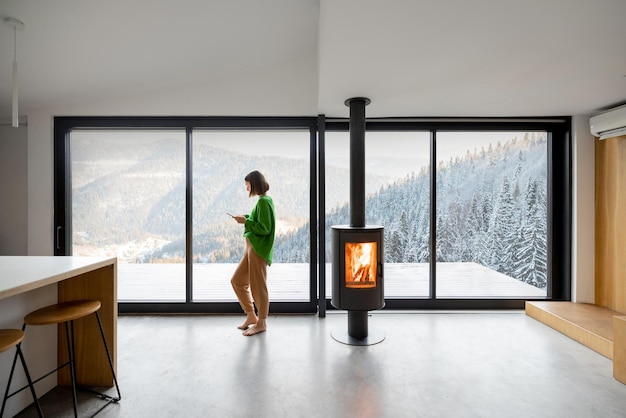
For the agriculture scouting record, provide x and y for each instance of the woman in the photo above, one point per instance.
(250, 278)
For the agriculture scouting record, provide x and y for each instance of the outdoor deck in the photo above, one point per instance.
(290, 282)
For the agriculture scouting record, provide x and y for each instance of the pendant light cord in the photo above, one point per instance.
(15, 44)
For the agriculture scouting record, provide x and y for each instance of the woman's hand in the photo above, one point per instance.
(240, 219)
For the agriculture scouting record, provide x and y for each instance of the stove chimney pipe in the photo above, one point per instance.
(357, 160)
(364, 292)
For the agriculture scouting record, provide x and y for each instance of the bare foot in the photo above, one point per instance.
(251, 319)
(256, 328)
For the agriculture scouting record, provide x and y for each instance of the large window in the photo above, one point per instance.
(221, 159)
(128, 201)
(491, 214)
(157, 198)
(476, 213)
(397, 186)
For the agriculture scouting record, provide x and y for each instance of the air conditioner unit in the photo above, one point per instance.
(609, 123)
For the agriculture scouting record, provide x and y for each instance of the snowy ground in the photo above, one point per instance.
(290, 282)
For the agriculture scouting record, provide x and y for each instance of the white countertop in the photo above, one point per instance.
(19, 274)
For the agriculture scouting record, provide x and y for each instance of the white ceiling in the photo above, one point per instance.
(411, 58)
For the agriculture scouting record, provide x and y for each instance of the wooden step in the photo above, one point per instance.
(590, 325)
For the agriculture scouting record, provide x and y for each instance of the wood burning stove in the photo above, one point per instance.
(357, 267)
(357, 249)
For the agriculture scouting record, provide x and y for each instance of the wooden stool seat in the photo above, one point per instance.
(9, 338)
(62, 312)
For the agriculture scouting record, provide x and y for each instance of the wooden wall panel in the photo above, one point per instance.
(610, 208)
(92, 367)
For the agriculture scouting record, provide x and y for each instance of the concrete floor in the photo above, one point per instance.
(459, 364)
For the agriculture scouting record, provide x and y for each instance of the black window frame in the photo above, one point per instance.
(559, 194)
(559, 198)
(62, 196)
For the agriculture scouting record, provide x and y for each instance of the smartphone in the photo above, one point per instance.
(230, 214)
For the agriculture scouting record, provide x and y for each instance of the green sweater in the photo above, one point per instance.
(260, 228)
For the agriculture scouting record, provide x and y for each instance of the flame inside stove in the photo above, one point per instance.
(361, 264)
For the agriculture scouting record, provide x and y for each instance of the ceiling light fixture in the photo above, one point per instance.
(16, 25)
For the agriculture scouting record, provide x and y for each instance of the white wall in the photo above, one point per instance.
(40, 185)
(13, 190)
(583, 222)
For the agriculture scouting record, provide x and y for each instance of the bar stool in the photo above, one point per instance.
(66, 313)
(13, 338)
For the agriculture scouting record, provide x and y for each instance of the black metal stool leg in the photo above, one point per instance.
(109, 399)
(70, 351)
(106, 348)
(6, 393)
(30, 382)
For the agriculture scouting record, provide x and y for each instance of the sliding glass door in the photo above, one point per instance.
(221, 160)
(470, 208)
(397, 185)
(128, 201)
(491, 215)
(158, 199)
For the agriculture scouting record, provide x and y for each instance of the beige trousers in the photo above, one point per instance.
(250, 282)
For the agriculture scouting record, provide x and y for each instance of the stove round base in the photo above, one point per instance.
(373, 337)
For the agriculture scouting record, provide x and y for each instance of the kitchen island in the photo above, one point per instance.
(28, 283)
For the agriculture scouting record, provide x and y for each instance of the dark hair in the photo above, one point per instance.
(258, 184)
